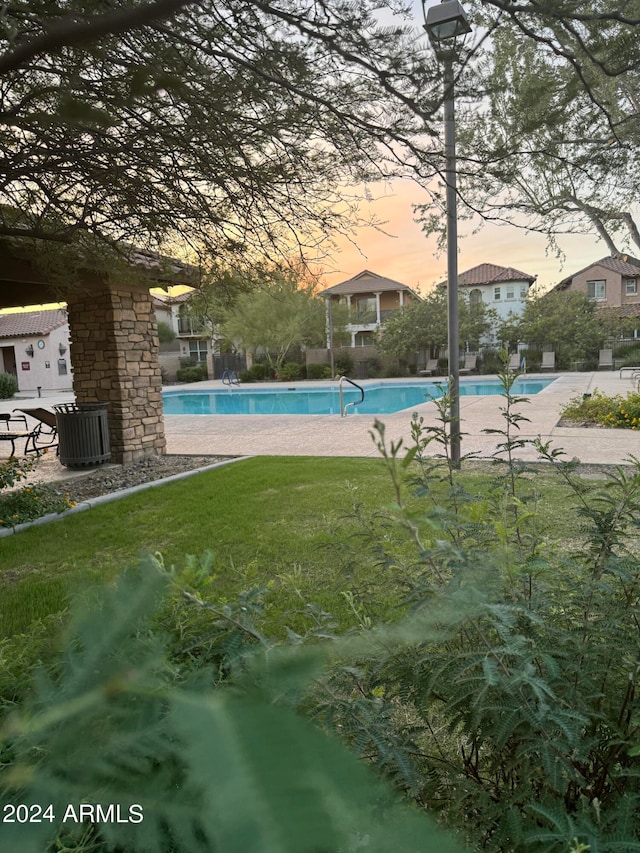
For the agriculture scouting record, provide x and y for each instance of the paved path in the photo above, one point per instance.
(331, 435)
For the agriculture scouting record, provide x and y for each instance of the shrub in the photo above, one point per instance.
(256, 373)
(374, 368)
(112, 722)
(318, 371)
(192, 374)
(616, 412)
(507, 701)
(343, 363)
(391, 371)
(29, 502)
(8, 386)
(625, 413)
(491, 361)
(13, 470)
(629, 353)
(289, 372)
(32, 502)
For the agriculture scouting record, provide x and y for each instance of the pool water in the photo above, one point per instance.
(380, 399)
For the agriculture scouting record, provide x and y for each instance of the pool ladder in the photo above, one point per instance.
(230, 377)
(344, 406)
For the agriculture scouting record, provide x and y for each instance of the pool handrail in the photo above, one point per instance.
(231, 377)
(344, 407)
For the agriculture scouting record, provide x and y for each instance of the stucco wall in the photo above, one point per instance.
(42, 369)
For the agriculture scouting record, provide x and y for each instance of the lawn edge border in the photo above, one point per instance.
(113, 496)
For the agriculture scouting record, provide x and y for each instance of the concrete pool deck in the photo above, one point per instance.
(331, 435)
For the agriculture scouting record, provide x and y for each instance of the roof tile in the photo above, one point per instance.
(365, 282)
(31, 323)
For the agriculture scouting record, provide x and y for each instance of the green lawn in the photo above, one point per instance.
(262, 518)
(268, 521)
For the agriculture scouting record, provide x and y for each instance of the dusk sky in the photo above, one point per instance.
(408, 256)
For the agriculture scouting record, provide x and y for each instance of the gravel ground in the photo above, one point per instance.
(113, 478)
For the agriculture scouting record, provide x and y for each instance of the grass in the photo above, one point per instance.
(271, 521)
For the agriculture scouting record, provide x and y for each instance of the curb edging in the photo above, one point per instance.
(113, 496)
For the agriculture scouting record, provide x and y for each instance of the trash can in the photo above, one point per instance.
(83, 434)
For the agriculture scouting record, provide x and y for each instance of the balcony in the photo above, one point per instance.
(190, 327)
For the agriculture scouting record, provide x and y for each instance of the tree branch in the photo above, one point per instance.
(71, 30)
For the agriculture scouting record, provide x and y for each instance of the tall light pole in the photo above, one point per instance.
(443, 23)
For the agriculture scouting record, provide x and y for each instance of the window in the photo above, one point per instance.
(524, 291)
(496, 293)
(366, 310)
(631, 286)
(363, 339)
(62, 367)
(511, 291)
(198, 350)
(595, 290)
(187, 324)
(475, 297)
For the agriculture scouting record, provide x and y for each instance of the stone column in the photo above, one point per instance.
(114, 356)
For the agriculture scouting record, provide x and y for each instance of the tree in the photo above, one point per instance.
(565, 321)
(282, 314)
(423, 325)
(554, 147)
(235, 129)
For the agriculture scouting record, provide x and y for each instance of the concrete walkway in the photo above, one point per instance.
(331, 435)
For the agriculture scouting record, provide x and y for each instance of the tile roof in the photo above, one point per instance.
(624, 264)
(620, 310)
(489, 274)
(165, 299)
(31, 323)
(365, 282)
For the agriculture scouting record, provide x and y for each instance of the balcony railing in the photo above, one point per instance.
(360, 318)
(189, 327)
(369, 318)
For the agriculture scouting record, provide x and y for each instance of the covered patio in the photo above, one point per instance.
(114, 342)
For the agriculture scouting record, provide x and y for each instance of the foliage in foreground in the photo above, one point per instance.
(617, 412)
(185, 766)
(517, 718)
(503, 696)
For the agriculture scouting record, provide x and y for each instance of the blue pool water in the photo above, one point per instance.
(380, 399)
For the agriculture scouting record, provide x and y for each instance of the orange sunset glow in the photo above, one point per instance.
(402, 252)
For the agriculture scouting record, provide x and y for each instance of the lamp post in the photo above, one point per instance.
(443, 23)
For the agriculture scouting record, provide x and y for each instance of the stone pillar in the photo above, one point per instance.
(114, 355)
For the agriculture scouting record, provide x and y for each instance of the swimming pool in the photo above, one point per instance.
(382, 399)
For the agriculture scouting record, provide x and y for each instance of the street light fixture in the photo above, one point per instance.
(443, 23)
